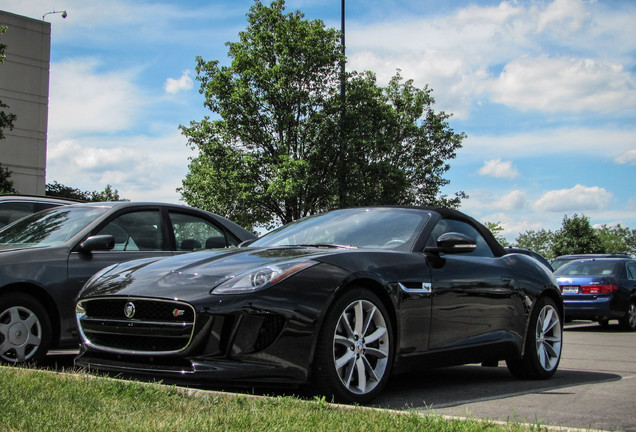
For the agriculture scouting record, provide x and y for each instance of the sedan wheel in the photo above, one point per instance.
(543, 344)
(355, 350)
(24, 329)
(628, 322)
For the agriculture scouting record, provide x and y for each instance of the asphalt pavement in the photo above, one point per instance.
(594, 388)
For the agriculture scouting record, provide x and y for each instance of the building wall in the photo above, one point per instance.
(24, 87)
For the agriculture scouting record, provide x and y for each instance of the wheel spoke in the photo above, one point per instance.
(358, 318)
(346, 325)
(377, 353)
(343, 340)
(367, 320)
(370, 369)
(380, 332)
(362, 375)
(345, 359)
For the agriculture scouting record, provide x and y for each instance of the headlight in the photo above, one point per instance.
(261, 278)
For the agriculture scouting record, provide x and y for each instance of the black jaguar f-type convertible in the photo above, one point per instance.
(340, 300)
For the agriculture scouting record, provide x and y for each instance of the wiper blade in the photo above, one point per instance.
(329, 246)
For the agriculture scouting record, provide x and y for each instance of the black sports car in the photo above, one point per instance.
(340, 300)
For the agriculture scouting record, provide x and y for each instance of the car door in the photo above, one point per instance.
(472, 294)
(138, 234)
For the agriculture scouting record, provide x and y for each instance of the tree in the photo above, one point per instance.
(539, 241)
(59, 190)
(577, 236)
(283, 146)
(496, 229)
(6, 119)
(6, 185)
(617, 239)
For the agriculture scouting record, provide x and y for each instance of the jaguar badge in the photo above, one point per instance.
(129, 310)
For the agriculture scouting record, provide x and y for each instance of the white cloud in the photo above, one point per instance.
(578, 198)
(515, 200)
(83, 99)
(498, 168)
(565, 84)
(564, 55)
(626, 158)
(563, 17)
(184, 82)
(549, 142)
(128, 165)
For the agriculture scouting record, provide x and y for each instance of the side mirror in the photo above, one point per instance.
(453, 242)
(98, 242)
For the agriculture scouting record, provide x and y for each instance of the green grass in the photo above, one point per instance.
(34, 400)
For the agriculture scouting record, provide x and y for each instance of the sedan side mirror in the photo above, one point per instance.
(453, 242)
(98, 242)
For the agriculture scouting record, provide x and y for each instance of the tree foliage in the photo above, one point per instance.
(578, 236)
(283, 145)
(6, 119)
(538, 241)
(59, 190)
(6, 184)
(496, 229)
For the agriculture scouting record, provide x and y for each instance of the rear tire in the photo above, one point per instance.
(543, 343)
(628, 322)
(25, 329)
(354, 353)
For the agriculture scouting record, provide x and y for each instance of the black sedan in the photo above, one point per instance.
(340, 300)
(46, 258)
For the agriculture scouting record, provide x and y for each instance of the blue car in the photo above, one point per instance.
(599, 289)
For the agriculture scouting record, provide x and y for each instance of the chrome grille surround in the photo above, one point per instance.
(149, 327)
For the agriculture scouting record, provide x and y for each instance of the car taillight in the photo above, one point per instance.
(598, 289)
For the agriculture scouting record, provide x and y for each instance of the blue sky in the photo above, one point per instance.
(544, 90)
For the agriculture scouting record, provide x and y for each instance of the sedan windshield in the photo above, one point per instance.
(385, 228)
(49, 227)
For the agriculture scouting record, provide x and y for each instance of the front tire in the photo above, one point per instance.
(25, 329)
(628, 322)
(354, 354)
(543, 343)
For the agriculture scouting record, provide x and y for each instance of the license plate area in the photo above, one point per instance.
(570, 289)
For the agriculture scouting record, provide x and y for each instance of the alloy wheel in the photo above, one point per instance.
(20, 334)
(361, 347)
(548, 337)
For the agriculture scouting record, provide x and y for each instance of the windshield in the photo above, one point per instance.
(49, 227)
(386, 228)
(587, 268)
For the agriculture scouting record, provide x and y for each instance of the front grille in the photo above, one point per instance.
(136, 325)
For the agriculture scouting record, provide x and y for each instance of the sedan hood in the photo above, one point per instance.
(190, 274)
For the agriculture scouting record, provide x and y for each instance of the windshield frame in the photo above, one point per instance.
(336, 229)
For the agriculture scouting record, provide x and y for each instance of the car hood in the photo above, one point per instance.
(13, 248)
(190, 274)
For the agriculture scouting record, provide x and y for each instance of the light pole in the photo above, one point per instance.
(64, 14)
(342, 43)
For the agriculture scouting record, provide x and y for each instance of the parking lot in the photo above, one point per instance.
(594, 388)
